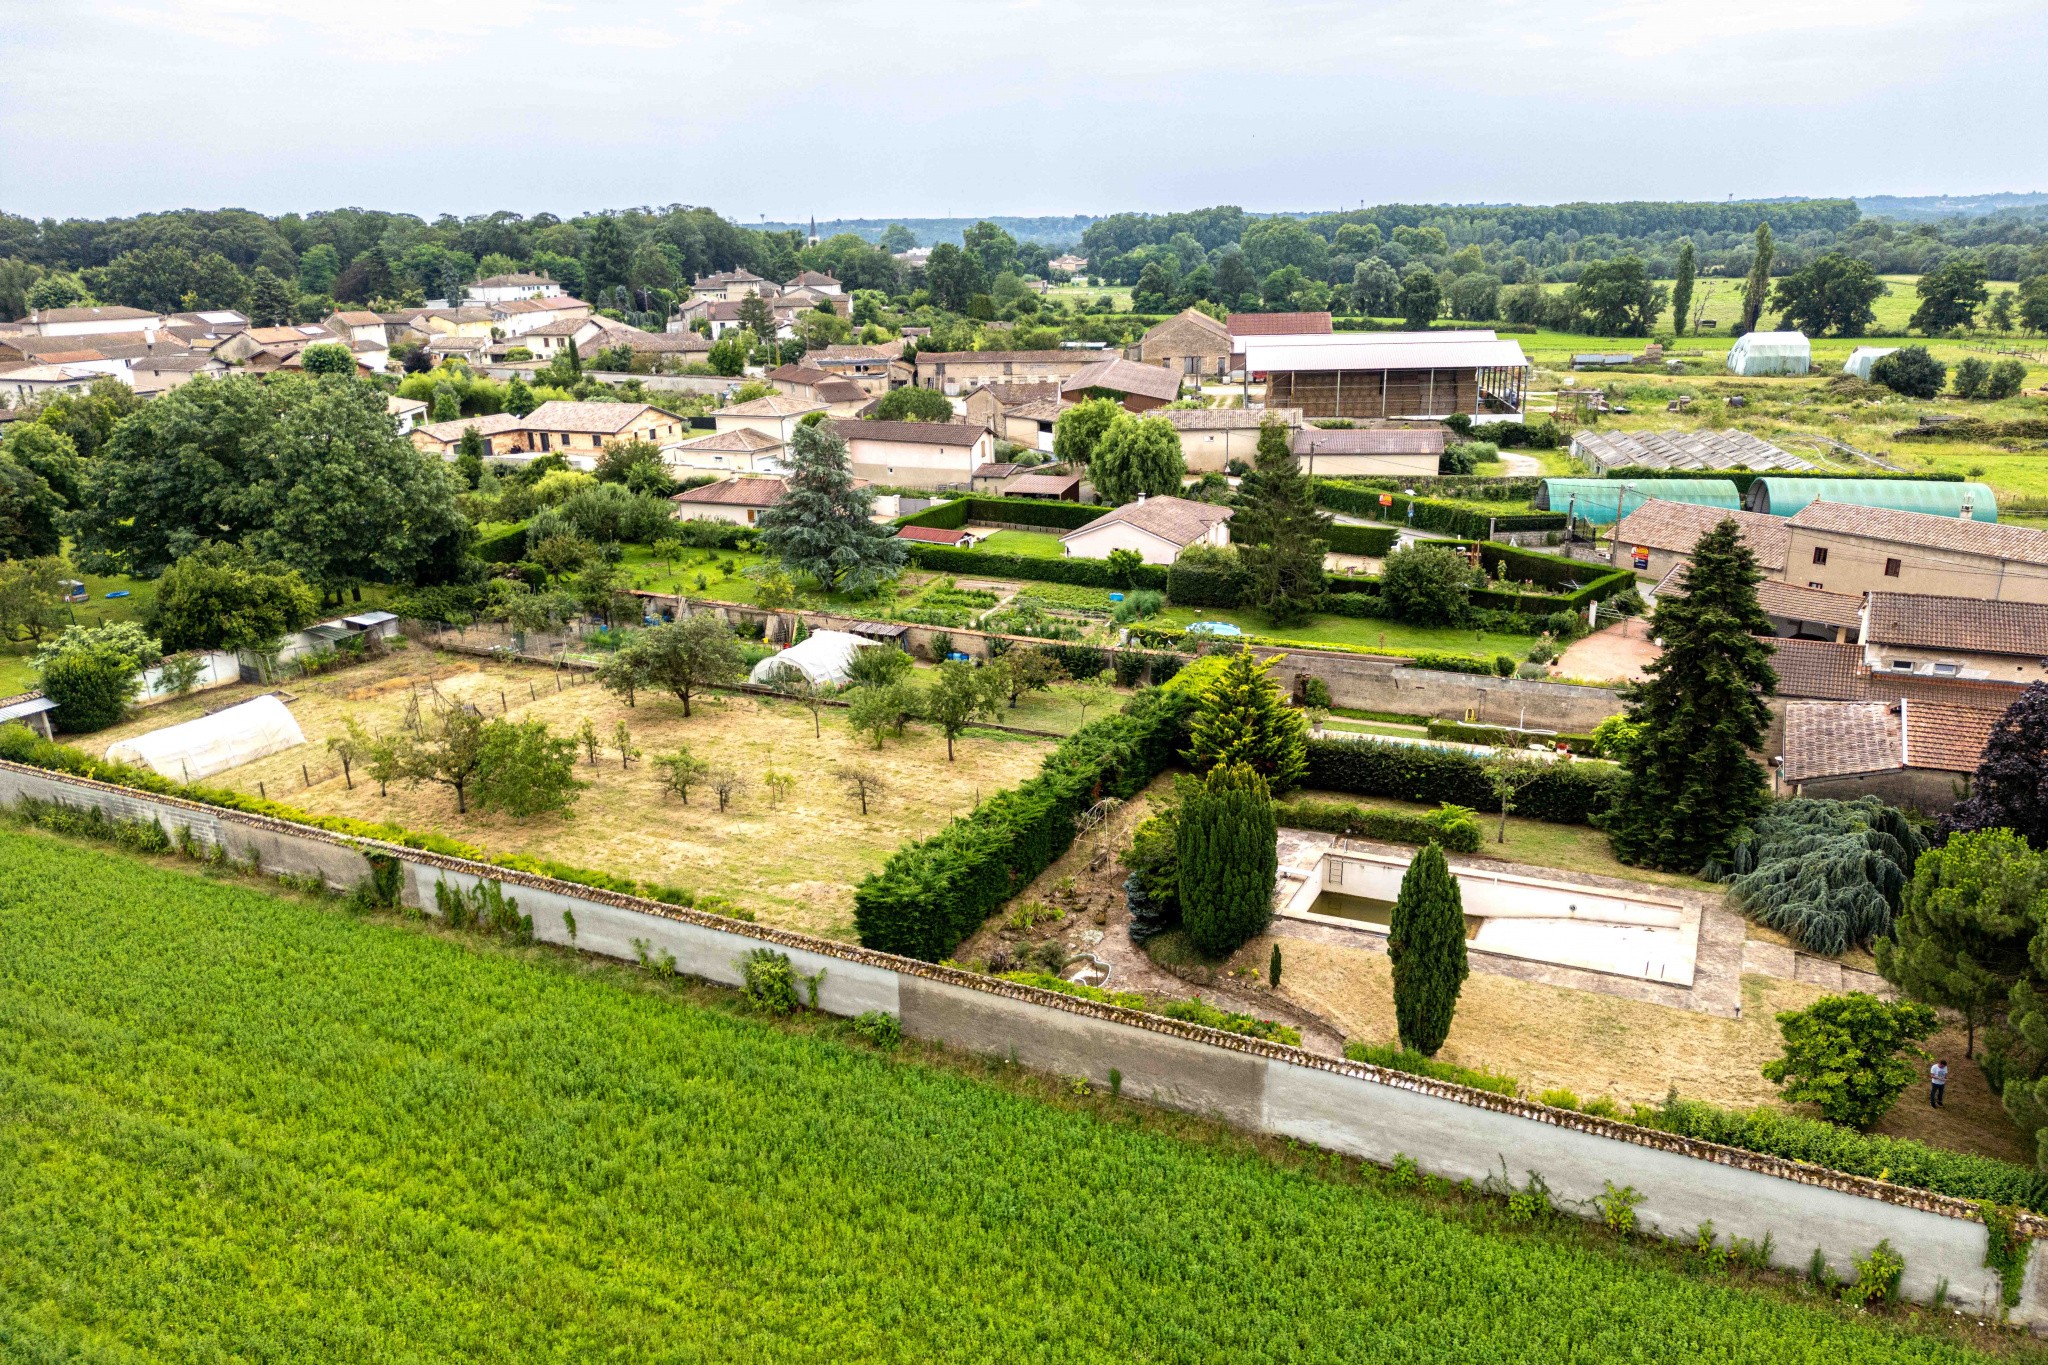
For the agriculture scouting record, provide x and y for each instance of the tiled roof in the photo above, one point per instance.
(359, 319)
(1979, 694)
(1179, 520)
(1227, 419)
(740, 440)
(996, 470)
(797, 374)
(839, 391)
(1679, 525)
(916, 433)
(1792, 602)
(502, 281)
(78, 357)
(1037, 410)
(1959, 623)
(563, 415)
(1064, 357)
(1945, 737)
(852, 353)
(1125, 376)
(812, 277)
(1043, 485)
(1198, 318)
(494, 424)
(1392, 441)
(1278, 324)
(113, 311)
(773, 405)
(1992, 540)
(1820, 670)
(932, 535)
(1840, 738)
(734, 492)
(651, 343)
(459, 314)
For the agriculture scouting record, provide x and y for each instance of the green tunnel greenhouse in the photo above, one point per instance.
(1606, 501)
(1783, 497)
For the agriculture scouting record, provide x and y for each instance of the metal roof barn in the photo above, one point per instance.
(1781, 497)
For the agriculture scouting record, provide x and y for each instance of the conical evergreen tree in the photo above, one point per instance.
(1691, 780)
(1228, 850)
(1242, 719)
(1278, 530)
(1427, 942)
(823, 524)
(1681, 287)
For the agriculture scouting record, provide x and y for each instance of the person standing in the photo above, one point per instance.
(1937, 1088)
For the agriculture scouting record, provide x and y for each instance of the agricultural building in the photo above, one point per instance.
(1403, 452)
(1605, 450)
(1783, 497)
(1423, 375)
(1863, 357)
(822, 657)
(1757, 353)
(1606, 501)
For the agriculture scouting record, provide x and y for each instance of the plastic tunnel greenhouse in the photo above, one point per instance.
(212, 744)
(1783, 497)
(1606, 501)
(1770, 353)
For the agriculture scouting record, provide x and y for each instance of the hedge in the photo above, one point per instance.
(1454, 831)
(1191, 585)
(1567, 793)
(1088, 573)
(1483, 487)
(1374, 541)
(933, 893)
(1431, 514)
(503, 547)
(951, 516)
(1743, 478)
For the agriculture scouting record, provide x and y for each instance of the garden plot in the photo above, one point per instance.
(790, 860)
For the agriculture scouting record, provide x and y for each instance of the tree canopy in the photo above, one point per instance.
(823, 524)
(1137, 456)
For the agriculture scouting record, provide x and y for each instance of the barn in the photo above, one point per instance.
(1393, 375)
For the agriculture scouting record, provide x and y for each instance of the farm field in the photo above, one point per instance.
(254, 1127)
(792, 864)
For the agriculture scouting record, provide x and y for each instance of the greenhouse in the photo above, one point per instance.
(1781, 497)
(821, 657)
(1770, 353)
(1606, 501)
(1863, 357)
(212, 744)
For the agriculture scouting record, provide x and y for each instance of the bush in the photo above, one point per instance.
(2006, 379)
(878, 1028)
(1842, 1054)
(1228, 857)
(1565, 794)
(936, 891)
(1971, 377)
(1450, 826)
(1396, 1058)
(1911, 371)
(1454, 663)
(1092, 573)
(1828, 873)
(1199, 583)
(1426, 585)
(93, 673)
(503, 547)
(1360, 499)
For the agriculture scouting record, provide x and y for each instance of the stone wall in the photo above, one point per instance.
(1257, 1086)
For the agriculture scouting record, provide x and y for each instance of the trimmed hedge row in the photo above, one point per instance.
(506, 547)
(1453, 831)
(933, 893)
(1743, 478)
(1431, 514)
(1567, 793)
(1088, 573)
(951, 516)
(1486, 488)
(1374, 541)
(1189, 585)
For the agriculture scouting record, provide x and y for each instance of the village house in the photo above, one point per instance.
(579, 431)
(740, 500)
(1210, 438)
(732, 285)
(24, 384)
(917, 454)
(360, 325)
(502, 433)
(1190, 343)
(955, 372)
(990, 478)
(464, 322)
(515, 317)
(1850, 549)
(1157, 528)
(1139, 388)
(986, 403)
(877, 369)
(742, 450)
(1953, 637)
(280, 342)
(110, 320)
(816, 280)
(1401, 452)
(407, 413)
(206, 324)
(1660, 535)
(155, 374)
(474, 351)
(1068, 264)
(502, 288)
(775, 414)
(1908, 752)
(668, 350)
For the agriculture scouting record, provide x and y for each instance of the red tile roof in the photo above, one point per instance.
(1278, 324)
(1944, 737)
(733, 493)
(932, 535)
(1960, 623)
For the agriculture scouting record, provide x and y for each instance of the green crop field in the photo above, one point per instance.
(245, 1127)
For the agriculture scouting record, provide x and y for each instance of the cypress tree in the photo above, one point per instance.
(1691, 783)
(1228, 850)
(1427, 942)
(1758, 286)
(1681, 288)
(1242, 720)
(1278, 530)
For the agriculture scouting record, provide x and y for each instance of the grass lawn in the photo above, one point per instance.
(1359, 633)
(251, 1128)
(792, 864)
(1030, 544)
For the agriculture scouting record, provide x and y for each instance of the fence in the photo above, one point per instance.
(1349, 1107)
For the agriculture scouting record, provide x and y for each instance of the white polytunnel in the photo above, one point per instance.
(822, 657)
(212, 744)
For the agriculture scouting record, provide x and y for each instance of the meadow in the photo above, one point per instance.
(244, 1126)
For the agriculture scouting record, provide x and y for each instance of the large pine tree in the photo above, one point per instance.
(1227, 847)
(1427, 943)
(823, 523)
(1243, 719)
(1278, 530)
(1691, 780)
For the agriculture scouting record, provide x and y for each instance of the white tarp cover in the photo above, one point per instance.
(212, 744)
(1770, 353)
(1863, 357)
(822, 657)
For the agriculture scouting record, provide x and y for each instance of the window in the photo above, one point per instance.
(1811, 584)
(1903, 665)
(1820, 554)
(1891, 568)
(1947, 670)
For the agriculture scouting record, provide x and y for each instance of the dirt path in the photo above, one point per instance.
(1617, 653)
(1520, 466)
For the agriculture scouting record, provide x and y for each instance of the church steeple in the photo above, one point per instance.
(812, 240)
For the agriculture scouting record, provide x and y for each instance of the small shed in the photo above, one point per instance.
(1863, 357)
(1782, 497)
(822, 657)
(1606, 501)
(32, 710)
(213, 744)
(1770, 353)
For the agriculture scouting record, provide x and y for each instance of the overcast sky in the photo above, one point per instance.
(787, 108)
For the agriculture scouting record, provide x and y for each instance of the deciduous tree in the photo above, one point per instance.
(226, 597)
(1832, 293)
(2010, 787)
(959, 693)
(94, 672)
(1842, 1054)
(1681, 287)
(912, 403)
(1078, 429)
(1137, 457)
(1757, 288)
(525, 769)
(1950, 296)
(688, 657)
(1426, 585)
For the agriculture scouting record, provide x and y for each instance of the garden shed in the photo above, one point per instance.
(1863, 357)
(1770, 353)
(821, 657)
(1782, 497)
(212, 744)
(1606, 501)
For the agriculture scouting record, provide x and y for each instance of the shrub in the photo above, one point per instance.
(1426, 585)
(1450, 826)
(94, 672)
(2006, 379)
(1392, 1057)
(1971, 377)
(878, 1028)
(1426, 940)
(1228, 857)
(769, 981)
(1566, 793)
(1911, 371)
(1842, 1054)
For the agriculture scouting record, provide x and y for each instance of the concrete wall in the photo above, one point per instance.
(1253, 1085)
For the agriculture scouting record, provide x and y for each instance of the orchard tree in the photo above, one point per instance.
(1137, 457)
(2010, 787)
(1691, 783)
(525, 769)
(958, 694)
(1426, 940)
(447, 750)
(1227, 847)
(1241, 720)
(1842, 1055)
(688, 657)
(823, 524)
(1961, 938)
(1832, 293)
(1278, 531)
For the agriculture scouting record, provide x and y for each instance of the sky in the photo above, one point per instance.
(789, 108)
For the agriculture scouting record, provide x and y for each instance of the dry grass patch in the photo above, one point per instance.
(793, 864)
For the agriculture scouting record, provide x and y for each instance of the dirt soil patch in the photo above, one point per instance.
(793, 863)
